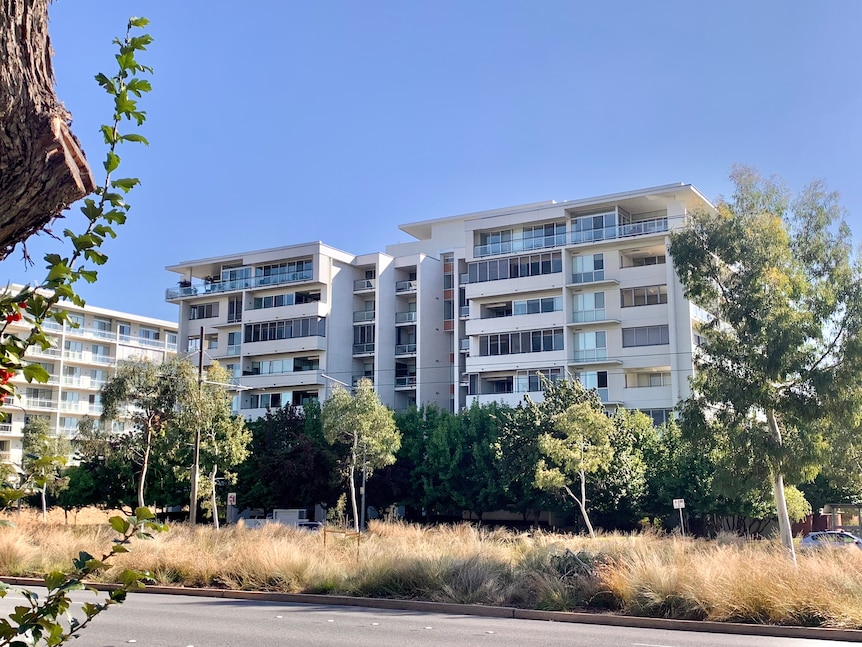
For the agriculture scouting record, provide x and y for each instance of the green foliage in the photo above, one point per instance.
(778, 375)
(32, 304)
(366, 427)
(50, 621)
(290, 464)
(44, 457)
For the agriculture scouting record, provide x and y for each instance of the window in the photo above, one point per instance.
(649, 260)
(595, 227)
(597, 380)
(307, 297)
(531, 341)
(234, 343)
(102, 328)
(125, 331)
(194, 344)
(73, 348)
(286, 329)
(75, 321)
(588, 268)
(535, 306)
(659, 416)
(273, 301)
(589, 306)
(590, 346)
(646, 380)
(516, 267)
(643, 296)
(97, 350)
(264, 401)
(234, 309)
(172, 341)
(148, 334)
(530, 381)
(203, 311)
(645, 336)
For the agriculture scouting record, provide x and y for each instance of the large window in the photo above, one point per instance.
(234, 310)
(203, 311)
(531, 341)
(588, 306)
(643, 296)
(647, 379)
(587, 268)
(263, 401)
(530, 381)
(597, 380)
(646, 336)
(515, 267)
(590, 346)
(287, 329)
(535, 306)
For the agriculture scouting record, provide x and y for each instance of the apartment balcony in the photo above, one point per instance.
(73, 407)
(405, 317)
(464, 345)
(220, 287)
(72, 381)
(628, 230)
(234, 351)
(365, 285)
(591, 317)
(520, 244)
(406, 286)
(363, 349)
(464, 312)
(405, 382)
(5, 427)
(47, 352)
(37, 403)
(103, 359)
(590, 355)
(405, 349)
(361, 316)
(594, 277)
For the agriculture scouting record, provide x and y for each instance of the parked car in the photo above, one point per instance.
(831, 539)
(310, 526)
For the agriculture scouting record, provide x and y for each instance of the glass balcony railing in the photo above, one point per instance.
(364, 284)
(405, 381)
(464, 344)
(406, 286)
(363, 315)
(363, 349)
(405, 349)
(590, 355)
(405, 317)
(586, 316)
(464, 311)
(103, 359)
(519, 244)
(638, 228)
(216, 287)
(588, 277)
(234, 350)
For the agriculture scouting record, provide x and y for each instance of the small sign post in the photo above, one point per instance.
(679, 504)
(231, 498)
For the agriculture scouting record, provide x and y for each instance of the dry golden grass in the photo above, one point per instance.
(729, 579)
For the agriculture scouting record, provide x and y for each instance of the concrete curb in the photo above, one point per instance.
(733, 628)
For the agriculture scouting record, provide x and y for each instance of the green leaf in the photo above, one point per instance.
(106, 83)
(54, 580)
(119, 548)
(36, 372)
(138, 22)
(144, 513)
(126, 183)
(96, 257)
(135, 137)
(110, 134)
(119, 524)
(82, 559)
(111, 162)
(89, 276)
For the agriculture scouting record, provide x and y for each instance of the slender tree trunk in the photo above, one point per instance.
(215, 505)
(145, 463)
(778, 492)
(44, 504)
(583, 504)
(352, 482)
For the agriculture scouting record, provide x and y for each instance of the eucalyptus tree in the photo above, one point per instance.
(150, 396)
(366, 427)
(782, 355)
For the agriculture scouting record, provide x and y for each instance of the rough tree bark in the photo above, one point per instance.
(42, 167)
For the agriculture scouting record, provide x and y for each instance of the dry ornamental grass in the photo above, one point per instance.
(648, 574)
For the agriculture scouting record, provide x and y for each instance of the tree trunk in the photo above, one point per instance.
(145, 463)
(778, 492)
(44, 504)
(42, 167)
(215, 505)
(352, 481)
(583, 504)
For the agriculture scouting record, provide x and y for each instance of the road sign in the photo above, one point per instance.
(231, 498)
(678, 504)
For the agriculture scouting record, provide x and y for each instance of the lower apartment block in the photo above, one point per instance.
(83, 354)
(476, 308)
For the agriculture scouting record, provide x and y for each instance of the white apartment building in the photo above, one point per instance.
(79, 362)
(475, 308)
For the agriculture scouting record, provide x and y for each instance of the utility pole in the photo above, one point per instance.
(193, 503)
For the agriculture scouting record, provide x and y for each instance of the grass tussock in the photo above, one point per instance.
(648, 574)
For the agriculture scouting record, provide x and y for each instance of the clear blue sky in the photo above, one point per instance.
(281, 122)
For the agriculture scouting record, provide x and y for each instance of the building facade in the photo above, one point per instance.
(476, 308)
(83, 354)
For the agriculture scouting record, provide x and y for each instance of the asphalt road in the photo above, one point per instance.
(151, 620)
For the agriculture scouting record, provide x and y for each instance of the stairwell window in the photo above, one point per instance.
(646, 336)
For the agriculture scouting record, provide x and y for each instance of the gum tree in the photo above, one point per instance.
(367, 427)
(782, 356)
